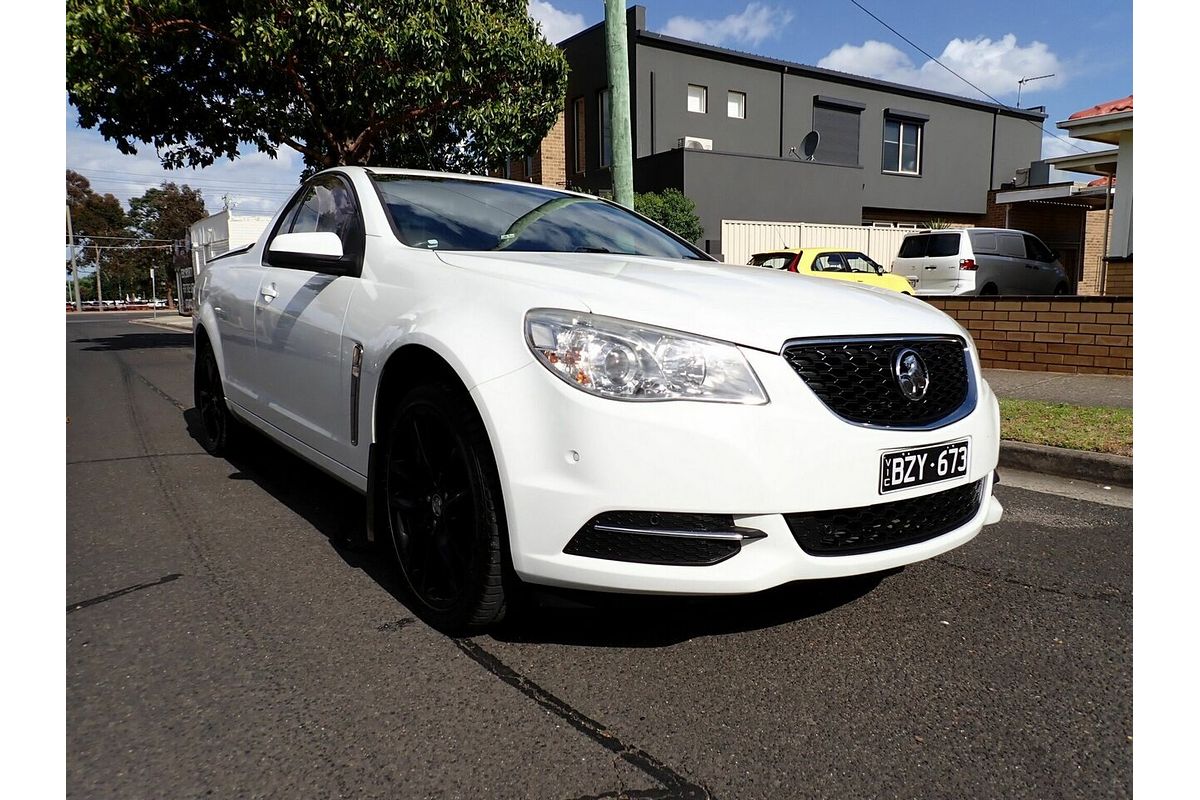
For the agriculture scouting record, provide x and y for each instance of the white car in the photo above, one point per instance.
(536, 385)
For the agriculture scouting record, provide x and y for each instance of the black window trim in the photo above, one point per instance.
(352, 258)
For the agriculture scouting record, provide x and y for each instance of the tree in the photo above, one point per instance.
(160, 217)
(446, 84)
(673, 210)
(97, 221)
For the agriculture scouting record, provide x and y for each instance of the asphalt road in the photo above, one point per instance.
(222, 642)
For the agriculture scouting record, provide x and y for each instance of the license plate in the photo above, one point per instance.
(917, 466)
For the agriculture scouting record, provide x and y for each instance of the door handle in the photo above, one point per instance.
(269, 293)
(933, 267)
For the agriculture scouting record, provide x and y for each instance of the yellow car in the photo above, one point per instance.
(832, 262)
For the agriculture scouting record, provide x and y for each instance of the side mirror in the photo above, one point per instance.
(316, 251)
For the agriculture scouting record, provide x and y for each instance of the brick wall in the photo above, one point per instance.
(1093, 251)
(1118, 279)
(1071, 334)
(549, 162)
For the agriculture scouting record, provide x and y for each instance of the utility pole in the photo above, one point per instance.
(99, 298)
(618, 94)
(74, 265)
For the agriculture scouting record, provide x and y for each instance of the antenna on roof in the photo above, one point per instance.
(1021, 84)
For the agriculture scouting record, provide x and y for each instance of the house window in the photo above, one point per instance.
(605, 127)
(698, 99)
(902, 146)
(580, 150)
(736, 105)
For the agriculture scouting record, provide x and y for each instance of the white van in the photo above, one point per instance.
(980, 261)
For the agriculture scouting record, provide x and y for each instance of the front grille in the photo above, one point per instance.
(854, 379)
(866, 529)
(660, 538)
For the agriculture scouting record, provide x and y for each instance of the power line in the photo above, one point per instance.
(960, 77)
(176, 177)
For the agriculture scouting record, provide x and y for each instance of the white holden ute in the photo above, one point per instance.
(533, 385)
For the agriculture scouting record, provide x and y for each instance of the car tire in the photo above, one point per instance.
(218, 428)
(1061, 289)
(444, 509)
(989, 290)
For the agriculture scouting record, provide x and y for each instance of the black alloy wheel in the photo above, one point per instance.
(216, 423)
(444, 511)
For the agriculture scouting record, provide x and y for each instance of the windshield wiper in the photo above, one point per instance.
(592, 250)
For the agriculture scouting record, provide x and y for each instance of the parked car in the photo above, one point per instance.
(980, 261)
(536, 385)
(833, 262)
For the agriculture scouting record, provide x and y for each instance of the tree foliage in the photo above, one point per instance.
(672, 209)
(163, 213)
(447, 84)
(96, 220)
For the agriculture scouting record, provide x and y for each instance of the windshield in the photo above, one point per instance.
(458, 214)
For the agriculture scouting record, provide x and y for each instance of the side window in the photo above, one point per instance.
(327, 205)
(1037, 250)
(829, 262)
(859, 263)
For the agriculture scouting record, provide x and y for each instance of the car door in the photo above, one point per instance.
(861, 269)
(1014, 277)
(302, 363)
(940, 272)
(229, 284)
(1040, 263)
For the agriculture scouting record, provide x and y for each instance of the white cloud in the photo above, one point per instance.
(556, 25)
(994, 66)
(756, 23)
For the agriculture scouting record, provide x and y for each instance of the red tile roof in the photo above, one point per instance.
(1111, 107)
(1101, 181)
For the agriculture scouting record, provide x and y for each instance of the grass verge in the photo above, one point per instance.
(1099, 429)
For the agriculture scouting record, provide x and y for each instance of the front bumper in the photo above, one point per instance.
(565, 456)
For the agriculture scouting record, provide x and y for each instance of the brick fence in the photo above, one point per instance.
(1060, 334)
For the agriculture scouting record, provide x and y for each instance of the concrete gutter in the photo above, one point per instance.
(1096, 467)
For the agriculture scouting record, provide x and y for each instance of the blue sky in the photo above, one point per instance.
(1088, 45)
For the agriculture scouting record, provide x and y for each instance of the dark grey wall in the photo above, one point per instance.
(665, 110)
(956, 157)
(767, 188)
(1016, 139)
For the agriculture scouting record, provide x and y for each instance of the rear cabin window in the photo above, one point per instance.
(984, 242)
(943, 244)
(913, 247)
(1011, 244)
(772, 260)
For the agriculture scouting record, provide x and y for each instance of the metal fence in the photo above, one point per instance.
(741, 239)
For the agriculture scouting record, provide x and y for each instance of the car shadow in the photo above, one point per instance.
(136, 341)
(538, 614)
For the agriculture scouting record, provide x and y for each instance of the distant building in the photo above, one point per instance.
(736, 133)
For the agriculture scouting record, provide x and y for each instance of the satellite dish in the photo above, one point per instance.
(809, 146)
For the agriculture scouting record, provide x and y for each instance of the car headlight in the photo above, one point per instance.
(628, 361)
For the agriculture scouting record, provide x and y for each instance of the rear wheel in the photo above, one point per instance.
(1061, 289)
(444, 509)
(989, 289)
(217, 426)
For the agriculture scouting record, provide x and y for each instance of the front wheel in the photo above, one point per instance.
(444, 509)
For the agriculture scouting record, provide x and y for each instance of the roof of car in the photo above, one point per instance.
(821, 248)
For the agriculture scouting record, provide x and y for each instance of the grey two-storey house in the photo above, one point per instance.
(729, 129)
